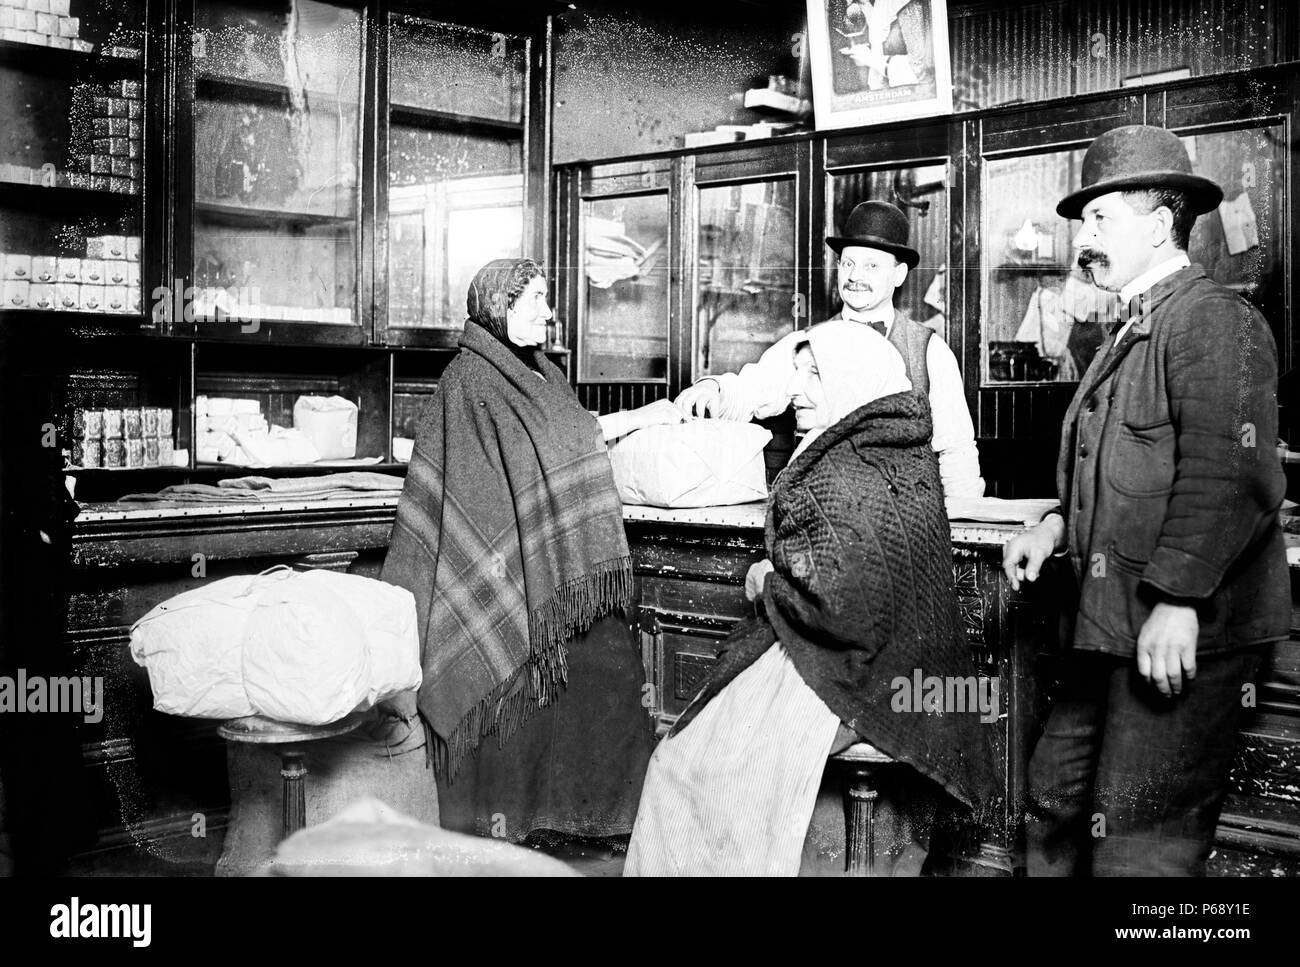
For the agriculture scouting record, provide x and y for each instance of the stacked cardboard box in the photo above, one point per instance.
(117, 438)
(107, 279)
(45, 23)
(107, 137)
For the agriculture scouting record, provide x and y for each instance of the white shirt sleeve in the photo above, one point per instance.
(758, 391)
(954, 434)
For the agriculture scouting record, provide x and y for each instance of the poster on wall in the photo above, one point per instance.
(878, 60)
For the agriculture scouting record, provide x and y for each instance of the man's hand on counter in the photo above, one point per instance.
(1024, 554)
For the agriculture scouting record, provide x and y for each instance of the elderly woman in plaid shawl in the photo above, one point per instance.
(510, 535)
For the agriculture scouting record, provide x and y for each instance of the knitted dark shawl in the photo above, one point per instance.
(862, 593)
(510, 535)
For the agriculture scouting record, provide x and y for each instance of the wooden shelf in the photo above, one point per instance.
(265, 92)
(60, 62)
(246, 216)
(79, 323)
(423, 117)
(63, 200)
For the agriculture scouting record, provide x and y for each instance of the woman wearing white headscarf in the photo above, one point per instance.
(859, 591)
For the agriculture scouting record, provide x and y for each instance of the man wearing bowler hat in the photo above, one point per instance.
(1170, 487)
(873, 260)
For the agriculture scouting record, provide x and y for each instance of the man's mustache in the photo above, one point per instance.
(1087, 256)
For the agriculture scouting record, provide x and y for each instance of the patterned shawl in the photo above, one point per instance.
(510, 535)
(861, 594)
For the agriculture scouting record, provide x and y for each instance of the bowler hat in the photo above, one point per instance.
(877, 224)
(1134, 157)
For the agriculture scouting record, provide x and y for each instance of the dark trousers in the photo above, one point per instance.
(1127, 782)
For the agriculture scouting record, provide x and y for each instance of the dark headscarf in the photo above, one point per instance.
(491, 294)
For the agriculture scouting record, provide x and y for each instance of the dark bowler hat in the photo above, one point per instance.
(877, 224)
(1134, 157)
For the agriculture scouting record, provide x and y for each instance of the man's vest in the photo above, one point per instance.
(911, 339)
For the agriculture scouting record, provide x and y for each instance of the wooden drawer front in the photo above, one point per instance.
(679, 651)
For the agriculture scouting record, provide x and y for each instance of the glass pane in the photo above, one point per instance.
(456, 70)
(1241, 244)
(745, 280)
(624, 331)
(71, 156)
(277, 122)
(455, 202)
(455, 164)
(1043, 319)
(922, 194)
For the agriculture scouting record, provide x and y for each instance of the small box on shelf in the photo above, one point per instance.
(18, 266)
(41, 295)
(17, 293)
(45, 268)
(91, 297)
(116, 299)
(67, 295)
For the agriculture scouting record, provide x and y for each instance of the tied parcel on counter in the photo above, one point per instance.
(699, 463)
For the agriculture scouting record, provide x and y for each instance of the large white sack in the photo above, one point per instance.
(306, 659)
(192, 647)
(322, 645)
(700, 463)
(387, 613)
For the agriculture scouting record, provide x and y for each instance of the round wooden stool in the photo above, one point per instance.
(863, 760)
(259, 730)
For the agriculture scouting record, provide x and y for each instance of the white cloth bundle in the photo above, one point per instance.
(306, 647)
(700, 463)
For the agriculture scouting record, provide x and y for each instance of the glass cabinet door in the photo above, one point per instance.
(277, 122)
(455, 165)
(71, 158)
(1241, 245)
(624, 309)
(922, 193)
(745, 272)
(1043, 321)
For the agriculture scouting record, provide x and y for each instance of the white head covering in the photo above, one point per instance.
(856, 365)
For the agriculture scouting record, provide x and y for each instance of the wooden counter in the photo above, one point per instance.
(151, 774)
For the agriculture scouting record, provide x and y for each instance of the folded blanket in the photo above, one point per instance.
(255, 490)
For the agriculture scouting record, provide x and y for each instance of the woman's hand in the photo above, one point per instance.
(755, 577)
(659, 413)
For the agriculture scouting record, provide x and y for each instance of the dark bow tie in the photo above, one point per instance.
(878, 326)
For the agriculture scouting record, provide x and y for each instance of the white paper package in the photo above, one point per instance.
(700, 463)
(330, 423)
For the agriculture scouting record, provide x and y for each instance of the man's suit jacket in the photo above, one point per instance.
(1169, 477)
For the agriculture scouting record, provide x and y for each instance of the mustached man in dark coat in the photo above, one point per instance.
(1170, 488)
